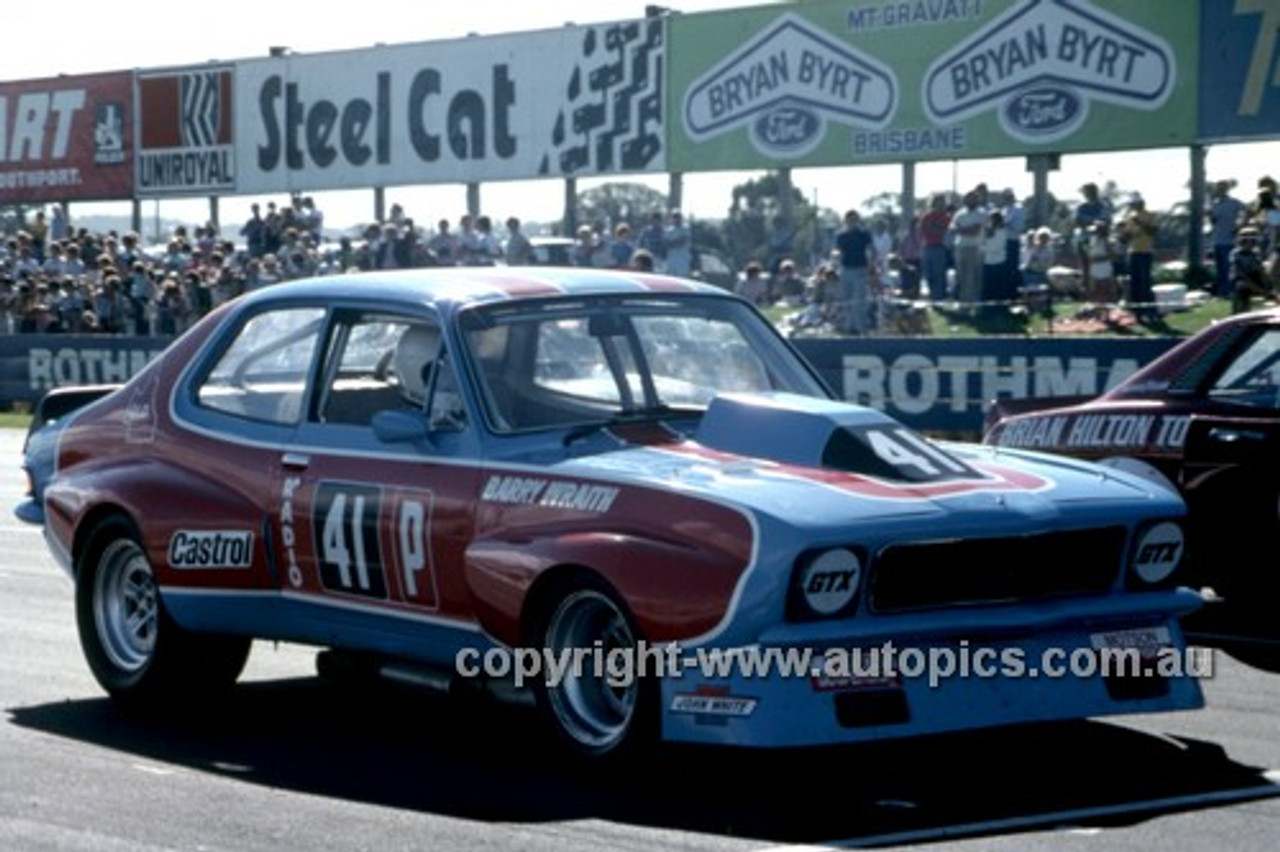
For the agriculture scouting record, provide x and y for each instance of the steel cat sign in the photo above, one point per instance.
(575, 100)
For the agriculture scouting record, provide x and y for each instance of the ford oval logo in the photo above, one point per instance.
(787, 129)
(1044, 111)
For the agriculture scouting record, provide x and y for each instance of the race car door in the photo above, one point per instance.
(1231, 481)
(373, 530)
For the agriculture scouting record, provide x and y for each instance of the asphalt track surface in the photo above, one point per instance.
(289, 761)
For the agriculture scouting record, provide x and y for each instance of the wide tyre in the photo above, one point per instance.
(594, 716)
(134, 649)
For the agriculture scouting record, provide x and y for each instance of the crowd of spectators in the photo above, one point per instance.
(979, 256)
(976, 252)
(54, 278)
(58, 279)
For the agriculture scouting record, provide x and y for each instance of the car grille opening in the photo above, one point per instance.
(993, 570)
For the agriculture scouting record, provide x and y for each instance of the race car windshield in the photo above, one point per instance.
(566, 363)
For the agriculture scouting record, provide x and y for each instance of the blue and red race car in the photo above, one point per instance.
(478, 474)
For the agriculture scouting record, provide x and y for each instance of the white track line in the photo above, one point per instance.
(1062, 819)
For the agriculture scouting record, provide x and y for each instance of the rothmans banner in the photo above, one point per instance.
(838, 83)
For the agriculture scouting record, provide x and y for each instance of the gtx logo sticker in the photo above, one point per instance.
(785, 85)
(1159, 552)
(1041, 63)
(830, 581)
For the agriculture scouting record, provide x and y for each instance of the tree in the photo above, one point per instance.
(611, 203)
(756, 230)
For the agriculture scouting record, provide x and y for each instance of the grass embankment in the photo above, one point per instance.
(14, 420)
(1061, 318)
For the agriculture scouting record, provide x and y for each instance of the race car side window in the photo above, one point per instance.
(262, 375)
(360, 378)
(1253, 375)
(385, 363)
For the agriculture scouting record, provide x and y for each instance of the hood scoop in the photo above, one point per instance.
(827, 434)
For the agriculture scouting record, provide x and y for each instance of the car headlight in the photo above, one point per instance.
(1157, 553)
(825, 584)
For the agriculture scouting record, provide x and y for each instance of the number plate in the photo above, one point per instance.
(1148, 640)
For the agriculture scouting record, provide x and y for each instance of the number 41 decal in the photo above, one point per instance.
(912, 456)
(348, 520)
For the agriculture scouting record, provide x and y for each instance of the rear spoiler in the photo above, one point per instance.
(61, 401)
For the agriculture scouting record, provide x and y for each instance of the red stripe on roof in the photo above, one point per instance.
(661, 284)
(517, 287)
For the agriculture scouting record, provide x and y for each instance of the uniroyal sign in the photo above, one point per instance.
(185, 132)
(567, 101)
(67, 138)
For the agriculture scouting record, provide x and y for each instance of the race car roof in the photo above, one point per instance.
(460, 286)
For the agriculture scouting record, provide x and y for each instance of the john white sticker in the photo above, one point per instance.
(211, 549)
(713, 705)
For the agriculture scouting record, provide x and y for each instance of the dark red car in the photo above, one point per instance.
(1205, 416)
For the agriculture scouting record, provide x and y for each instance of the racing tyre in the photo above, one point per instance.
(134, 649)
(594, 716)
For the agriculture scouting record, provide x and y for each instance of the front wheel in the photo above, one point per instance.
(600, 706)
(133, 648)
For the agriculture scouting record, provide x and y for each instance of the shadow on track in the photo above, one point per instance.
(388, 746)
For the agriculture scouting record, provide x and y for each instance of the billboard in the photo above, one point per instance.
(840, 83)
(185, 132)
(1239, 70)
(932, 384)
(947, 384)
(571, 101)
(66, 138)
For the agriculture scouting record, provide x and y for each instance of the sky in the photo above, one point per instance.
(87, 37)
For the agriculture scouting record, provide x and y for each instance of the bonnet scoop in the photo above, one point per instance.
(823, 433)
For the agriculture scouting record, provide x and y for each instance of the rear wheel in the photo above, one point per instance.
(599, 708)
(134, 649)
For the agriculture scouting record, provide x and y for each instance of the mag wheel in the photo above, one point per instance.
(597, 711)
(133, 648)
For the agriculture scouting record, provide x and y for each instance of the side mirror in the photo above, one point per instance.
(400, 427)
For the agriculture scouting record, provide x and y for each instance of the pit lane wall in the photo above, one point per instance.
(940, 385)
